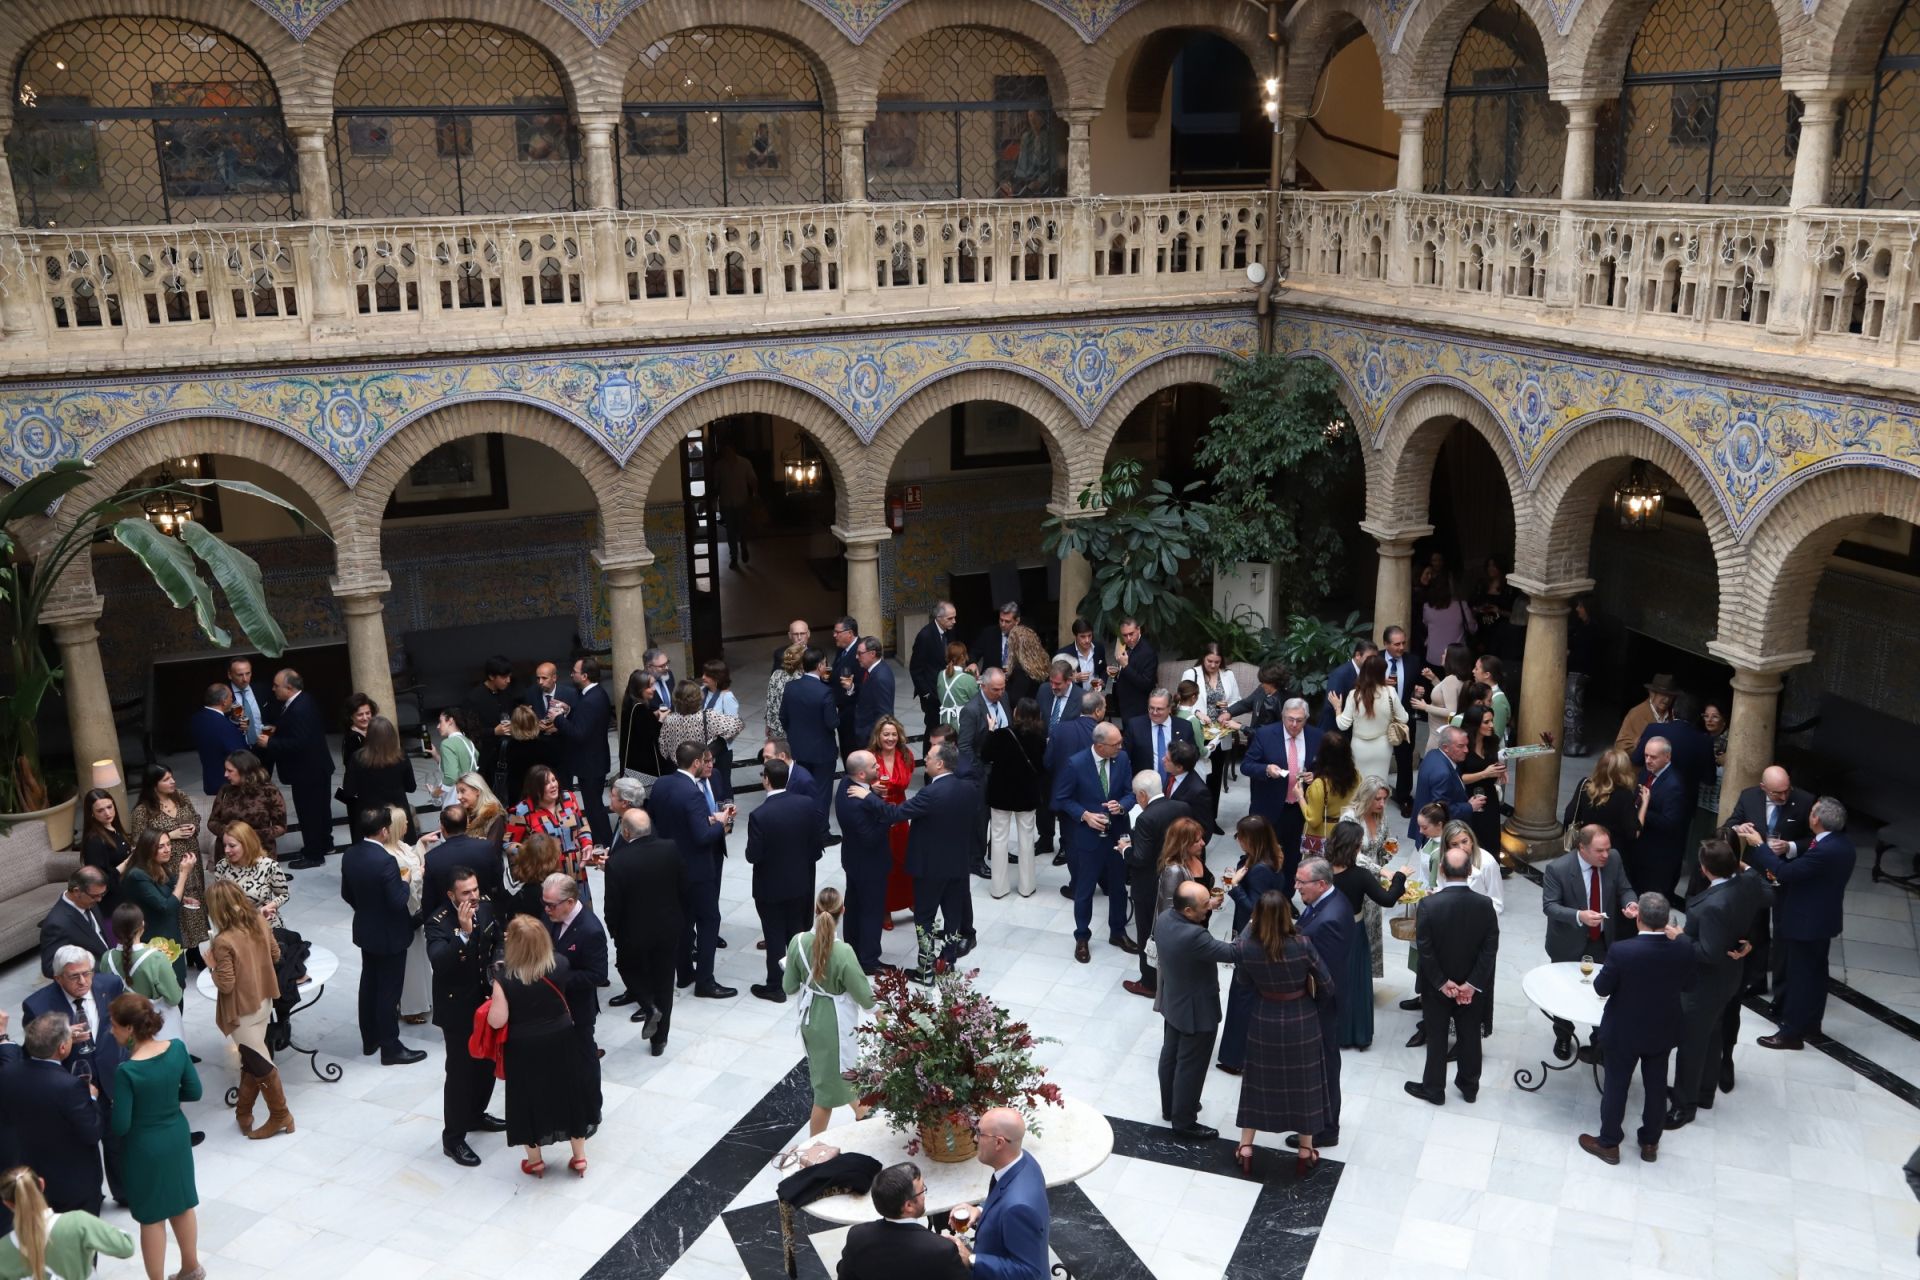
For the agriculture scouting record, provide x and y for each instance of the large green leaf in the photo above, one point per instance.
(239, 579)
(45, 489)
(255, 491)
(173, 570)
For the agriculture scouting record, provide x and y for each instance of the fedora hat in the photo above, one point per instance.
(1662, 683)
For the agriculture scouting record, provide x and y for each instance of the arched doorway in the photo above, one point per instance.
(1347, 140)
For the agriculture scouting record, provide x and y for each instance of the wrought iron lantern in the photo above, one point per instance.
(802, 467)
(168, 509)
(1638, 501)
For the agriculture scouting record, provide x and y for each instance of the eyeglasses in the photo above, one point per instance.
(552, 906)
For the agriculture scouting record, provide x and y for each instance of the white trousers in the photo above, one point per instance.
(1015, 827)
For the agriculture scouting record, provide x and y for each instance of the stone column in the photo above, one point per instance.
(1076, 575)
(1543, 707)
(326, 258)
(1813, 162)
(1576, 173)
(626, 610)
(853, 155)
(310, 139)
(365, 619)
(1079, 153)
(1754, 716)
(1407, 184)
(1289, 148)
(856, 248)
(1393, 587)
(1796, 266)
(863, 574)
(84, 686)
(608, 278)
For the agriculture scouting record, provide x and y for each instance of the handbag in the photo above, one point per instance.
(1570, 834)
(805, 1157)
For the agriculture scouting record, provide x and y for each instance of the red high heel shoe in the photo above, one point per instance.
(579, 1166)
(534, 1168)
(1244, 1154)
(1304, 1162)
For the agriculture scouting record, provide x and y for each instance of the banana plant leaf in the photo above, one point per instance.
(45, 489)
(239, 579)
(174, 571)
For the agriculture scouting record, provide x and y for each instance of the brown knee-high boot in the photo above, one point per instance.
(243, 1106)
(279, 1119)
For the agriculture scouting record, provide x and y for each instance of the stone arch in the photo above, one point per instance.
(835, 61)
(1591, 61)
(1575, 476)
(1076, 461)
(1130, 395)
(583, 73)
(1150, 36)
(1842, 38)
(286, 61)
(1075, 85)
(1432, 36)
(1320, 29)
(858, 498)
(1408, 444)
(1766, 607)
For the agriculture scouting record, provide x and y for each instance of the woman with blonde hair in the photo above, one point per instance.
(783, 675)
(836, 991)
(416, 992)
(553, 1088)
(244, 861)
(46, 1245)
(1608, 797)
(1026, 664)
(244, 956)
(486, 816)
(1484, 880)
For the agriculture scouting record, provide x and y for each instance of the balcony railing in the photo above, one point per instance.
(1821, 280)
(247, 289)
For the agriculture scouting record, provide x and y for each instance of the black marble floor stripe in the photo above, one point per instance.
(678, 1218)
(1083, 1239)
(756, 1234)
(1278, 1240)
(1873, 1008)
(1155, 1142)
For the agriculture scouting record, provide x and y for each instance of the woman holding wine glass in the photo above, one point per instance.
(163, 806)
(156, 882)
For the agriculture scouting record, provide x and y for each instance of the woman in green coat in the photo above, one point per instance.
(156, 881)
(46, 1245)
(157, 1164)
(835, 992)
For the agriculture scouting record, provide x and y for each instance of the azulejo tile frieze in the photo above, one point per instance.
(346, 413)
(1753, 441)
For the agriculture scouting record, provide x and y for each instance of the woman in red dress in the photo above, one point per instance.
(889, 747)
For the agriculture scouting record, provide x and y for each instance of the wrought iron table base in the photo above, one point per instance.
(326, 1073)
(1526, 1078)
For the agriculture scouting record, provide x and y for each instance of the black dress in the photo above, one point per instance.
(390, 784)
(106, 853)
(1016, 782)
(1485, 822)
(1620, 815)
(517, 755)
(553, 1090)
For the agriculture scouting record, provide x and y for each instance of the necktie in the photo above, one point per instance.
(1648, 780)
(1105, 789)
(1293, 770)
(706, 791)
(1160, 751)
(665, 694)
(1003, 649)
(1593, 901)
(1773, 819)
(1059, 705)
(80, 1020)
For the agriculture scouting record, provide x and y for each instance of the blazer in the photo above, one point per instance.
(783, 843)
(1718, 917)
(873, 698)
(973, 729)
(1563, 895)
(1331, 927)
(584, 731)
(808, 711)
(1076, 789)
(381, 784)
(298, 747)
(584, 947)
(1790, 818)
(1189, 991)
(1459, 941)
(928, 658)
(1811, 886)
(1068, 739)
(1099, 656)
(107, 1054)
(1669, 817)
(1149, 830)
(56, 1126)
(246, 968)
(1191, 790)
(1642, 980)
(537, 698)
(482, 857)
(940, 841)
(1340, 680)
(887, 1250)
(1438, 782)
(462, 967)
(1692, 752)
(1011, 1241)
(845, 664)
(679, 814)
(986, 648)
(1136, 681)
(370, 883)
(1268, 796)
(1137, 739)
(865, 830)
(645, 880)
(215, 737)
(1043, 699)
(66, 925)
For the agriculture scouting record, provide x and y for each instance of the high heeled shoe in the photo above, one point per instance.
(1303, 1163)
(579, 1166)
(1244, 1154)
(534, 1168)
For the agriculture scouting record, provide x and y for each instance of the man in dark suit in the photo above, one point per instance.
(1058, 702)
(370, 884)
(1088, 658)
(1720, 916)
(456, 848)
(1066, 739)
(296, 743)
(1775, 814)
(646, 883)
(1688, 744)
(1642, 981)
(1136, 673)
(1809, 917)
(899, 1244)
(929, 657)
(1341, 680)
(1185, 784)
(1403, 683)
(938, 845)
(846, 674)
(1147, 737)
(683, 810)
(985, 713)
(866, 856)
(783, 843)
(52, 1116)
(1585, 896)
(463, 937)
(991, 647)
(812, 721)
(81, 996)
(584, 724)
(1189, 1002)
(1279, 761)
(1141, 860)
(580, 938)
(1457, 935)
(215, 736)
(1439, 781)
(489, 707)
(1010, 1236)
(1328, 924)
(799, 632)
(873, 693)
(544, 695)
(75, 920)
(1090, 792)
(1666, 817)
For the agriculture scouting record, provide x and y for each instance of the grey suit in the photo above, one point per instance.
(1188, 998)
(975, 724)
(1564, 894)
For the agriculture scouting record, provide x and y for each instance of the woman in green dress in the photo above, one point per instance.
(156, 881)
(146, 970)
(46, 1245)
(163, 805)
(836, 991)
(157, 1160)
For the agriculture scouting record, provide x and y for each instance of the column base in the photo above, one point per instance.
(1532, 842)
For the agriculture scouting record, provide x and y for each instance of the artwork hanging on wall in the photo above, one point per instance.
(756, 145)
(657, 134)
(221, 155)
(1029, 141)
(893, 141)
(544, 138)
(461, 475)
(369, 137)
(987, 433)
(453, 136)
(58, 156)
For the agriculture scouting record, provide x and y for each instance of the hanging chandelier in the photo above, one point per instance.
(168, 510)
(1638, 502)
(802, 467)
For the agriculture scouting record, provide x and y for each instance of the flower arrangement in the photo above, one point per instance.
(166, 947)
(936, 1057)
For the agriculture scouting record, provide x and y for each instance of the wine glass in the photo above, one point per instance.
(1586, 969)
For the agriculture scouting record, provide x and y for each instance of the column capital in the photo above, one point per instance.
(359, 590)
(302, 124)
(1069, 513)
(77, 630)
(1397, 543)
(863, 542)
(73, 611)
(1413, 111)
(1821, 93)
(1080, 117)
(600, 122)
(1755, 668)
(623, 564)
(1583, 113)
(1550, 597)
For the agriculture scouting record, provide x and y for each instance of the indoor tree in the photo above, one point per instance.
(1136, 542)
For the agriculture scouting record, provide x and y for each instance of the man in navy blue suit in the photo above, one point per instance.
(584, 718)
(1010, 1242)
(81, 996)
(1328, 924)
(370, 883)
(456, 848)
(296, 745)
(1092, 793)
(812, 721)
(783, 843)
(1439, 781)
(846, 675)
(579, 935)
(1147, 737)
(1341, 680)
(684, 811)
(1666, 816)
(873, 693)
(939, 845)
(1066, 739)
(1642, 980)
(215, 736)
(52, 1116)
(1807, 918)
(1279, 761)
(866, 855)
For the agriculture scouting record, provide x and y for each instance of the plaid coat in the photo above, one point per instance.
(1284, 1087)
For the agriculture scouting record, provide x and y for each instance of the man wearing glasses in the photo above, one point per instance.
(900, 1243)
(582, 939)
(75, 920)
(81, 996)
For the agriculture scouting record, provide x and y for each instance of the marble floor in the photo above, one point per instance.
(1795, 1174)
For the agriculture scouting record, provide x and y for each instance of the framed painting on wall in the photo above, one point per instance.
(453, 137)
(756, 145)
(1029, 141)
(369, 137)
(461, 475)
(893, 141)
(218, 155)
(663, 134)
(987, 433)
(543, 138)
(59, 156)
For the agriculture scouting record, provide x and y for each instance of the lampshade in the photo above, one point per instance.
(106, 775)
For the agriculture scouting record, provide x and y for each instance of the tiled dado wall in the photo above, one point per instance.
(443, 575)
(966, 523)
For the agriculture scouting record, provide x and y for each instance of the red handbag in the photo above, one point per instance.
(488, 1042)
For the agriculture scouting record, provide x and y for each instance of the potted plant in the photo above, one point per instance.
(937, 1057)
(1138, 544)
(174, 562)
